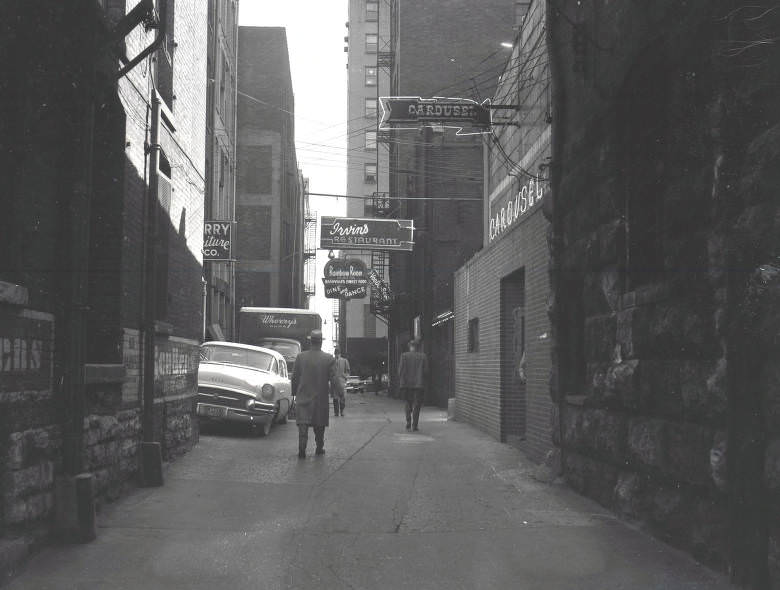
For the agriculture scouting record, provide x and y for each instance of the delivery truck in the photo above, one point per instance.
(283, 329)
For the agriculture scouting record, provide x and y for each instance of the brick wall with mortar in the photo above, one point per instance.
(674, 422)
(515, 239)
(183, 144)
(478, 295)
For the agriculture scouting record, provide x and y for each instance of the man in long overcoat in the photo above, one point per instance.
(412, 373)
(314, 373)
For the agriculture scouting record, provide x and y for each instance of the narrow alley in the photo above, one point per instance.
(447, 507)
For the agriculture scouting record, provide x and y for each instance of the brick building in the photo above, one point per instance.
(269, 194)
(71, 294)
(221, 132)
(438, 164)
(665, 152)
(502, 332)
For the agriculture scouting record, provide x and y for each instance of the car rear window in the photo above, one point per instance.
(237, 356)
(288, 350)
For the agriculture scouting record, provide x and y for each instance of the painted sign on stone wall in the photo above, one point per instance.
(26, 350)
(345, 279)
(363, 233)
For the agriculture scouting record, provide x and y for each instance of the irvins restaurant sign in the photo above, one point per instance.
(217, 242)
(358, 233)
(504, 213)
(345, 279)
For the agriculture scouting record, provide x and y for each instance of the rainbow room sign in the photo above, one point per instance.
(506, 211)
(359, 233)
(345, 279)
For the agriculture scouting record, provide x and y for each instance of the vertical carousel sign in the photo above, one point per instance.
(358, 233)
(379, 289)
(217, 240)
(345, 279)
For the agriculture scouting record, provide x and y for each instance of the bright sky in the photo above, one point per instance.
(315, 39)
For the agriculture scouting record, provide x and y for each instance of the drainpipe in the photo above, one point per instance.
(151, 451)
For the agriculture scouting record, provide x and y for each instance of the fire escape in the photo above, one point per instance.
(385, 60)
(380, 260)
(381, 205)
(309, 251)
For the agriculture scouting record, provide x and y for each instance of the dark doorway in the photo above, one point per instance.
(513, 395)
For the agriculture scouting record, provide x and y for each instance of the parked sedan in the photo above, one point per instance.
(355, 384)
(243, 383)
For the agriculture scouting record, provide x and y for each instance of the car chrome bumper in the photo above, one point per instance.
(224, 413)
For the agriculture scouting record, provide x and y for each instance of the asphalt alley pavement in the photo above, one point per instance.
(445, 508)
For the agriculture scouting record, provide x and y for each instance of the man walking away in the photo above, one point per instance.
(412, 371)
(314, 371)
(342, 372)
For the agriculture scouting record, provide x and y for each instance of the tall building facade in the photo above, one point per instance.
(270, 187)
(368, 39)
(436, 176)
(79, 173)
(220, 197)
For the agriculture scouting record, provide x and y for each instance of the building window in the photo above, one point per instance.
(371, 76)
(372, 40)
(370, 173)
(370, 140)
(372, 10)
(162, 243)
(370, 108)
(473, 343)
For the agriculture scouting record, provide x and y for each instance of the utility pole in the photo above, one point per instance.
(151, 452)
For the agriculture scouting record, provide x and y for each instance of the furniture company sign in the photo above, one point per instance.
(358, 233)
(217, 240)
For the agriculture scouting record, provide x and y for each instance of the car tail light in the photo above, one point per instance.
(267, 392)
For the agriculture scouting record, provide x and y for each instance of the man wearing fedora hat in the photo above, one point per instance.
(314, 373)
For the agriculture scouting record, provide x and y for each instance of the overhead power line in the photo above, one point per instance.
(371, 198)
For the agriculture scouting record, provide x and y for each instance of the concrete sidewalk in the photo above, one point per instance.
(444, 508)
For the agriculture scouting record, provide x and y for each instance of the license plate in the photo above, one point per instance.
(212, 411)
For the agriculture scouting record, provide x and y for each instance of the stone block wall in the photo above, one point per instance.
(666, 218)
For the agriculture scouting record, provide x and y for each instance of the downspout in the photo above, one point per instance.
(557, 134)
(234, 183)
(151, 451)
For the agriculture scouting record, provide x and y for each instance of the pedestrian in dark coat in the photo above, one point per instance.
(342, 371)
(412, 372)
(314, 374)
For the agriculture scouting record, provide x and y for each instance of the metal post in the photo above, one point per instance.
(150, 269)
(151, 456)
